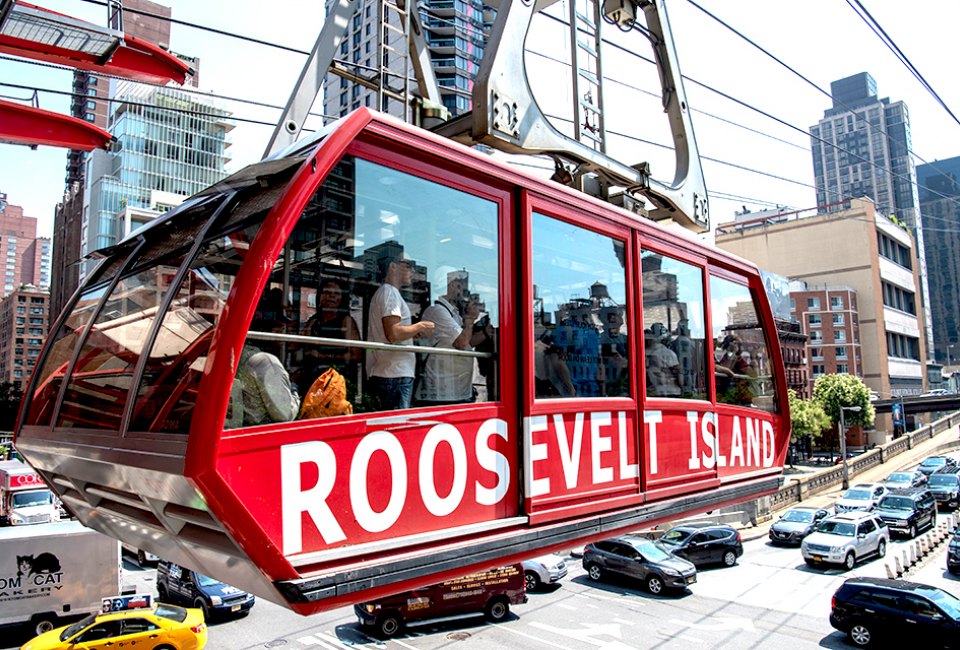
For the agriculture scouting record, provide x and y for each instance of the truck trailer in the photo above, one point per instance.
(24, 497)
(56, 571)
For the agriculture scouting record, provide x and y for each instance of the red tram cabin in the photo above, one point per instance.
(612, 374)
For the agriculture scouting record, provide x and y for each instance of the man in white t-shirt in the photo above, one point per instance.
(449, 379)
(390, 373)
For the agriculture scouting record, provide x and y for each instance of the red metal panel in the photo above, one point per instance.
(22, 124)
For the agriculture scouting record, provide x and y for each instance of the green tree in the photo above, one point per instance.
(807, 417)
(834, 391)
(10, 397)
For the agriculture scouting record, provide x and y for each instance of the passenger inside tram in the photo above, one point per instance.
(446, 379)
(332, 320)
(262, 391)
(614, 354)
(552, 376)
(390, 373)
(663, 366)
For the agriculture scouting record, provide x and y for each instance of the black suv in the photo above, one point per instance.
(177, 584)
(870, 609)
(907, 510)
(945, 485)
(704, 543)
(655, 566)
(953, 554)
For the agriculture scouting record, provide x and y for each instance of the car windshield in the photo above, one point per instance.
(946, 601)
(675, 536)
(943, 479)
(76, 627)
(896, 503)
(898, 477)
(799, 516)
(842, 528)
(652, 551)
(178, 614)
(933, 462)
(857, 495)
(30, 499)
(206, 581)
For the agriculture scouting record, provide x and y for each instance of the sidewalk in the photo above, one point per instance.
(941, 443)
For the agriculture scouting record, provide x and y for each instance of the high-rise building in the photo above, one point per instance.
(456, 33)
(172, 144)
(23, 329)
(862, 147)
(881, 270)
(26, 257)
(939, 187)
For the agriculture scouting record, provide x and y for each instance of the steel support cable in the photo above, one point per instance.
(871, 22)
(857, 115)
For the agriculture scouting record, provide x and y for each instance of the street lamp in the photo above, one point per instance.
(843, 444)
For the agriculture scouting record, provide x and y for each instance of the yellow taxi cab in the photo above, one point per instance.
(129, 621)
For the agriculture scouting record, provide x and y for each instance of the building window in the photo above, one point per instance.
(813, 303)
(841, 352)
(815, 320)
(843, 369)
(836, 302)
(839, 336)
(816, 336)
(838, 319)
(817, 369)
(816, 354)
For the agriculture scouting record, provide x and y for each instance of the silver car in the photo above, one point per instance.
(543, 570)
(863, 496)
(846, 538)
(909, 479)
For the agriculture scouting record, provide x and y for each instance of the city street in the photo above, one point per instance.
(770, 599)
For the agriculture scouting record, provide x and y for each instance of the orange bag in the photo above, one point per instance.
(327, 396)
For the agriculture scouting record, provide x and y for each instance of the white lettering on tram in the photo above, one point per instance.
(652, 419)
(569, 451)
(627, 469)
(319, 459)
(598, 445)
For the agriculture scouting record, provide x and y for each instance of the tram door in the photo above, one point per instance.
(582, 422)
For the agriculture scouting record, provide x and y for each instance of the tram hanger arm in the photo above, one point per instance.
(506, 115)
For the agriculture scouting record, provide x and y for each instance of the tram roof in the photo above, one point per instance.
(365, 124)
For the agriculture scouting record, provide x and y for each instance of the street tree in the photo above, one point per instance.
(843, 390)
(807, 417)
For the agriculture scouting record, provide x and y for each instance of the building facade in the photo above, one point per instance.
(456, 33)
(862, 148)
(26, 257)
(23, 329)
(829, 316)
(939, 187)
(881, 270)
(793, 348)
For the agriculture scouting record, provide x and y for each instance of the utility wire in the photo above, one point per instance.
(871, 22)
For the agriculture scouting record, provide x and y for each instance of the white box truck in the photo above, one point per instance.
(24, 497)
(53, 571)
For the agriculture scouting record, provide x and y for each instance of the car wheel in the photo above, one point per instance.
(913, 531)
(594, 571)
(655, 584)
(201, 604)
(850, 561)
(881, 549)
(388, 625)
(729, 558)
(497, 610)
(860, 635)
(43, 623)
(531, 580)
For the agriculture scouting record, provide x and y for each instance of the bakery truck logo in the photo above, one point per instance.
(34, 576)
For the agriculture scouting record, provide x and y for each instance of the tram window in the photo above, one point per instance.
(674, 332)
(364, 216)
(743, 372)
(581, 335)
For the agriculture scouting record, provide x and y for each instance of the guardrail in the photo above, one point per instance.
(798, 489)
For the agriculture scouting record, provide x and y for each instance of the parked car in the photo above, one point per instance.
(704, 543)
(945, 486)
(150, 626)
(907, 511)
(649, 562)
(862, 496)
(143, 557)
(489, 593)
(846, 538)
(543, 570)
(930, 464)
(953, 553)
(900, 480)
(795, 524)
(869, 610)
(182, 585)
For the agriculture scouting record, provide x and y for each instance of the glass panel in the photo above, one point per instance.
(381, 256)
(743, 370)
(581, 332)
(674, 330)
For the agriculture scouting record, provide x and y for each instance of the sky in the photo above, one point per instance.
(749, 160)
